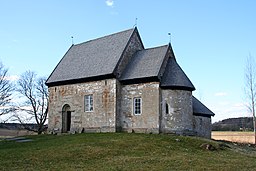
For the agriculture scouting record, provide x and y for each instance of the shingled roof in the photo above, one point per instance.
(174, 77)
(97, 59)
(91, 59)
(145, 64)
(200, 109)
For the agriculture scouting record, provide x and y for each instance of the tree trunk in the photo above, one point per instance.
(40, 129)
(254, 128)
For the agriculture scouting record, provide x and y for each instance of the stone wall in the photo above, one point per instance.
(132, 47)
(167, 111)
(118, 106)
(148, 120)
(202, 126)
(178, 119)
(103, 116)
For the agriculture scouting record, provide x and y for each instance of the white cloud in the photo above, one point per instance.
(224, 110)
(110, 3)
(221, 94)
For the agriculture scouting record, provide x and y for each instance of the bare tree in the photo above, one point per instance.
(250, 89)
(6, 89)
(36, 94)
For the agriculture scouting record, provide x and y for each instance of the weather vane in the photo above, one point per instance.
(135, 25)
(169, 37)
(72, 40)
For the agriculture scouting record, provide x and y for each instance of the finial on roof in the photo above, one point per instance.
(135, 25)
(169, 37)
(72, 40)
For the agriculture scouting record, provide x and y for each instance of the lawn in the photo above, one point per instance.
(123, 151)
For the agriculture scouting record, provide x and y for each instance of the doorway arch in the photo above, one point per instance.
(66, 118)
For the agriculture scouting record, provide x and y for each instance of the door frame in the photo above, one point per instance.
(66, 118)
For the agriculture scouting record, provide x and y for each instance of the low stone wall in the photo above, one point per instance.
(240, 137)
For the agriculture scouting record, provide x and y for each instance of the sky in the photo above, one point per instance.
(211, 39)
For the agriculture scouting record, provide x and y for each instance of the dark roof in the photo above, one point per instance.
(200, 109)
(91, 59)
(174, 77)
(145, 63)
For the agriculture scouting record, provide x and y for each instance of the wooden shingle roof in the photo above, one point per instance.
(97, 59)
(145, 63)
(174, 77)
(90, 59)
(200, 109)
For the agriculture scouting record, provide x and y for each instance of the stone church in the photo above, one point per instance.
(113, 84)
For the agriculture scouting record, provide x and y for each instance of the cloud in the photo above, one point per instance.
(110, 3)
(224, 110)
(221, 94)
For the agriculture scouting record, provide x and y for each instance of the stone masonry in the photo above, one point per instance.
(148, 120)
(101, 119)
(115, 77)
(180, 115)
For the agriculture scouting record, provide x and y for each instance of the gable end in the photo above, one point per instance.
(134, 44)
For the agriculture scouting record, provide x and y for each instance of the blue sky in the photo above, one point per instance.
(211, 39)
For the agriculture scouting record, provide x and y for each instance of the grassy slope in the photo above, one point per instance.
(114, 151)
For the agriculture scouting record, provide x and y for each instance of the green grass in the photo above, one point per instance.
(121, 151)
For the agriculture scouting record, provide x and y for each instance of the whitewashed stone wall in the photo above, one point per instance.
(148, 120)
(202, 126)
(179, 118)
(103, 116)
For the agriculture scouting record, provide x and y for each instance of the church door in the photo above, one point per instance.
(66, 118)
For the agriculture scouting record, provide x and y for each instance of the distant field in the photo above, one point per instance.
(241, 137)
(4, 133)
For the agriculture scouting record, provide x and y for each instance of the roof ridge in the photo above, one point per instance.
(156, 47)
(104, 36)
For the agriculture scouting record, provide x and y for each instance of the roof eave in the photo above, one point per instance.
(203, 114)
(140, 80)
(80, 80)
(174, 87)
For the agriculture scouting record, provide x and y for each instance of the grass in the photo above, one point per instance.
(121, 151)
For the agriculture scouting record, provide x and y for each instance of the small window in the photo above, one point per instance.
(88, 103)
(137, 106)
(166, 108)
